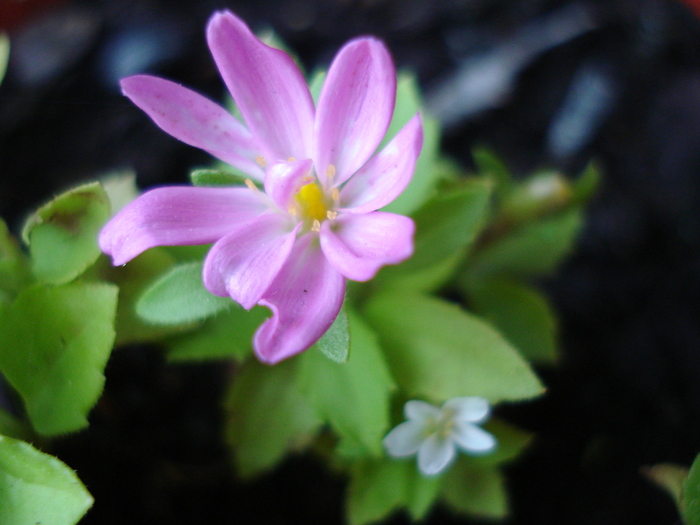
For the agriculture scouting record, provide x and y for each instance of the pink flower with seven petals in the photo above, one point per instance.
(290, 247)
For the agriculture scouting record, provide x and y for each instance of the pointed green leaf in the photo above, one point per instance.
(36, 488)
(490, 165)
(690, 496)
(4, 54)
(438, 351)
(179, 297)
(54, 344)
(352, 396)
(14, 270)
(214, 178)
(62, 235)
(422, 185)
(267, 416)
(521, 313)
(511, 441)
(475, 490)
(228, 335)
(335, 343)
(669, 477)
(12, 427)
(535, 249)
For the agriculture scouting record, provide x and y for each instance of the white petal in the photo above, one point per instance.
(420, 410)
(405, 439)
(471, 409)
(435, 454)
(472, 438)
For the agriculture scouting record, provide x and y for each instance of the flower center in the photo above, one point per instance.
(312, 202)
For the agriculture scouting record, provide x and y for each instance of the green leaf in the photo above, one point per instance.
(586, 184)
(533, 250)
(669, 477)
(4, 54)
(490, 165)
(179, 297)
(438, 351)
(511, 441)
(62, 235)
(14, 271)
(476, 490)
(379, 487)
(335, 343)
(316, 83)
(214, 178)
(228, 335)
(352, 396)
(36, 488)
(408, 103)
(446, 224)
(521, 313)
(690, 496)
(13, 427)
(54, 344)
(267, 416)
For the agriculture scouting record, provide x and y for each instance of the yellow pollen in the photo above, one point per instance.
(331, 215)
(316, 226)
(261, 161)
(292, 211)
(251, 185)
(335, 194)
(330, 172)
(311, 202)
(291, 159)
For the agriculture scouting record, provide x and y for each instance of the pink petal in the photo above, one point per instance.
(178, 216)
(305, 299)
(244, 262)
(195, 120)
(386, 174)
(358, 245)
(355, 107)
(284, 179)
(267, 86)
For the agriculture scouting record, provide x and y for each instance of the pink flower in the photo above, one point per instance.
(290, 247)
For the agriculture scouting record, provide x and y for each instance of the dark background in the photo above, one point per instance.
(544, 83)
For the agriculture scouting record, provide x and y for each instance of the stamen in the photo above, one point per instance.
(251, 185)
(330, 172)
(261, 161)
(292, 211)
(335, 194)
(331, 215)
(291, 159)
(316, 227)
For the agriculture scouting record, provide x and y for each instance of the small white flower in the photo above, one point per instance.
(435, 433)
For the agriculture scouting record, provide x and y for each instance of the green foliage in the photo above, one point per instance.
(4, 54)
(521, 313)
(62, 234)
(54, 344)
(335, 343)
(354, 396)
(438, 351)
(214, 178)
(14, 271)
(267, 416)
(474, 489)
(37, 488)
(179, 297)
(690, 495)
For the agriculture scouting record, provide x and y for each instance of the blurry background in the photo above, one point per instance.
(543, 83)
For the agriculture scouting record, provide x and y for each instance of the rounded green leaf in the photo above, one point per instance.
(335, 343)
(36, 488)
(438, 351)
(179, 297)
(62, 235)
(475, 490)
(54, 344)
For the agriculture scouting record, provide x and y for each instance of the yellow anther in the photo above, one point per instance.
(331, 215)
(292, 211)
(261, 161)
(330, 172)
(335, 194)
(316, 227)
(251, 185)
(291, 159)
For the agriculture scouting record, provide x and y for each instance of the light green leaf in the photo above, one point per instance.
(316, 83)
(475, 490)
(36, 488)
(14, 271)
(447, 224)
(669, 477)
(490, 165)
(690, 496)
(438, 351)
(335, 343)
(228, 335)
(4, 54)
(13, 427)
(421, 188)
(533, 250)
(62, 235)
(267, 416)
(352, 396)
(214, 178)
(521, 313)
(54, 344)
(179, 297)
